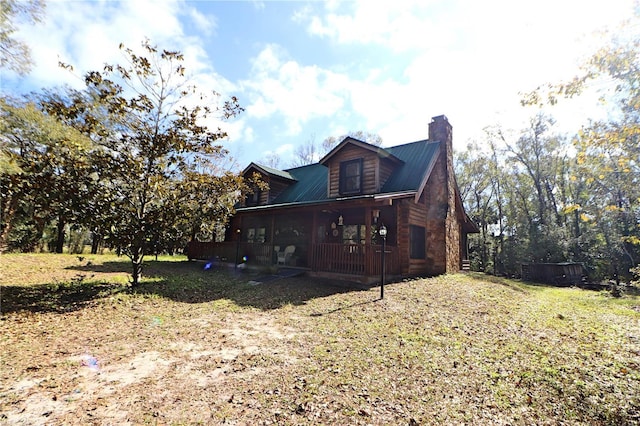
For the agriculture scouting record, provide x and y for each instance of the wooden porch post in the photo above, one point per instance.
(368, 259)
(272, 237)
(311, 256)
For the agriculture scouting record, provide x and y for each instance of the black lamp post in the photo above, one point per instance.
(237, 248)
(383, 233)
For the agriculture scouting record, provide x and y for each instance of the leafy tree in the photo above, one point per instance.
(511, 190)
(478, 194)
(86, 112)
(606, 177)
(157, 143)
(44, 159)
(14, 53)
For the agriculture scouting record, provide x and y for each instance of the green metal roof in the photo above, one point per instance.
(311, 185)
(270, 171)
(418, 158)
(311, 181)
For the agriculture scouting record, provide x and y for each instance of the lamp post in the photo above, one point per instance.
(383, 233)
(238, 231)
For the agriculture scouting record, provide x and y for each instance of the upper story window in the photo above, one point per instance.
(253, 198)
(351, 176)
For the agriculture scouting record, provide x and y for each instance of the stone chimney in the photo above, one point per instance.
(440, 130)
(443, 201)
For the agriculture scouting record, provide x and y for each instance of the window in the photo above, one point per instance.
(256, 235)
(354, 234)
(416, 242)
(261, 234)
(253, 199)
(351, 177)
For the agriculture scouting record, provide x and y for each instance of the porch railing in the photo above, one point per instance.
(349, 259)
(354, 259)
(230, 251)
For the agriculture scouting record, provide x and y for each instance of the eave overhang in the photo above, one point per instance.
(375, 198)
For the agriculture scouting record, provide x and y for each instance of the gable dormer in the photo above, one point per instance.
(357, 168)
(277, 181)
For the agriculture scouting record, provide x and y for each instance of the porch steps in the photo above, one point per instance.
(282, 273)
(466, 265)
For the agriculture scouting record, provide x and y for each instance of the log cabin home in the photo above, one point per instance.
(325, 217)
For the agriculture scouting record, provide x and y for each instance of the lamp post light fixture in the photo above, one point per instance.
(383, 233)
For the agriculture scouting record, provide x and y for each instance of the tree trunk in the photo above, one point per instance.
(8, 212)
(137, 256)
(60, 235)
(95, 242)
(4, 234)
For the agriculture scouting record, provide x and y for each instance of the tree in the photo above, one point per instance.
(158, 144)
(478, 194)
(45, 160)
(83, 111)
(15, 54)
(307, 153)
(272, 160)
(511, 190)
(606, 177)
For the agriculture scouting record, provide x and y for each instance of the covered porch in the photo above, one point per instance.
(340, 243)
(350, 262)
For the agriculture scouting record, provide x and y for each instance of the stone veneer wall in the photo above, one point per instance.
(436, 216)
(442, 220)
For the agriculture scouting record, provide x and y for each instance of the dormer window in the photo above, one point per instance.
(351, 177)
(253, 198)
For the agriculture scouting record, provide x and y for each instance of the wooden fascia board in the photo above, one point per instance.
(379, 151)
(425, 178)
(252, 165)
(374, 199)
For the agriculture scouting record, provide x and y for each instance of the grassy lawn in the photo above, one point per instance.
(191, 346)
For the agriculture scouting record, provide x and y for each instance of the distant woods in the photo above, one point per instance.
(541, 196)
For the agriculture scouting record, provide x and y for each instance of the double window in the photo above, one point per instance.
(351, 177)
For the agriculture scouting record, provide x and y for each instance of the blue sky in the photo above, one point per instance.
(309, 70)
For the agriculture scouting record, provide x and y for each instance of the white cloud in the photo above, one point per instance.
(258, 4)
(282, 150)
(420, 58)
(468, 60)
(280, 85)
(87, 34)
(206, 24)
